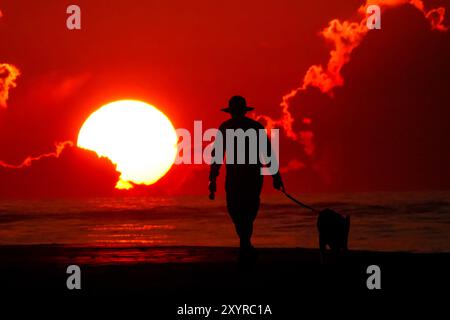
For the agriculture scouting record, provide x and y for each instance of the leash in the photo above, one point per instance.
(301, 204)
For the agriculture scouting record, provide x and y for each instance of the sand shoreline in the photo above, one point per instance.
(116, 270)
(161, 279)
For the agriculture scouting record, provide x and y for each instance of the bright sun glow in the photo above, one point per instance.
(135, 136)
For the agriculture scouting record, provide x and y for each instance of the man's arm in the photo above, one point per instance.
(277, 181)
(216, 163)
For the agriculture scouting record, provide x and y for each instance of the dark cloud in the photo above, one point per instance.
(387, 128)
(70, 172)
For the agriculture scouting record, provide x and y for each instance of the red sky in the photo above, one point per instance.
(387, 128)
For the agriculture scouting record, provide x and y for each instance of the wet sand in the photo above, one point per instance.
(173, 276)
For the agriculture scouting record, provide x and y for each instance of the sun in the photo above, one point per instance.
(135, 136)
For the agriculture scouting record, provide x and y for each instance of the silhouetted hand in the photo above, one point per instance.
(278, 183)
(212, 189)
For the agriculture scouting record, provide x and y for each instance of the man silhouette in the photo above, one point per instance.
(243, 181)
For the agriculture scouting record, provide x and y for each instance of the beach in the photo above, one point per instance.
(165, 253)
(212, 273)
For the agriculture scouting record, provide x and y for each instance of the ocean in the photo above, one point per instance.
(408, 221)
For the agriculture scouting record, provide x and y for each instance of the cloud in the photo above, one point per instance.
(436, 17)
(8, 76)
(60, 146)
(292, 165)
(344, 36)
(67, 171)
(55, 88)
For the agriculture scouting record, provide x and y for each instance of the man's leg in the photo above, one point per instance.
(244, 229)
(243, 211)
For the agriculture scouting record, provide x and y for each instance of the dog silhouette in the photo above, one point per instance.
(333, 231)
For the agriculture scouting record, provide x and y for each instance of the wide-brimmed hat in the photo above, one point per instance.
(237, 104)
